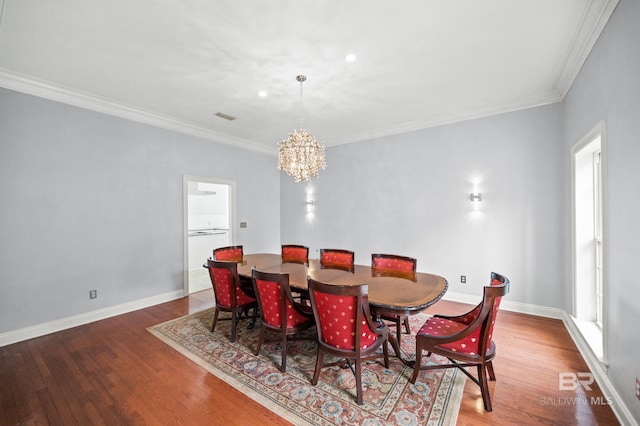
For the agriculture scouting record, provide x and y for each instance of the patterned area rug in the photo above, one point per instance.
(389, 398)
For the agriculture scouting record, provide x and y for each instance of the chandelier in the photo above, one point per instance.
(300, 155)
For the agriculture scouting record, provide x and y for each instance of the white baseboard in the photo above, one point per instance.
(76, 320)
(595, 366)
(599, 371)
(507, 305)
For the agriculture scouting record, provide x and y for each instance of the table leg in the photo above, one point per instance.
(393, 340)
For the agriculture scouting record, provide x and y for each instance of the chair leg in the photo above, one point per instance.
(416, 367)
(316, 374)
(385, 351)
(233, 325)
(215, 319)
(252, 322)
(492, 375)
(484, 387)
(359, 380)
(399, 331)
(283, 364)
(260, 340)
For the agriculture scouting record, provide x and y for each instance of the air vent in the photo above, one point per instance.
(225, 116)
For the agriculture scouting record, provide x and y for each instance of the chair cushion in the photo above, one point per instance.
(222, 287)
(337, 318)
(269, 292)
(443, 327)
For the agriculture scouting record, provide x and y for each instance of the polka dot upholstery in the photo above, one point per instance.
(346, 329)
(295, 254)
(337, 319)
(222, 283)
(394, 264)
(270, 296)
(339, 258)
(229, 295)
(228, 253)
(436, 326)
(466, 338)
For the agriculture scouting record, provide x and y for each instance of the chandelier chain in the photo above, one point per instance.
(301, 79)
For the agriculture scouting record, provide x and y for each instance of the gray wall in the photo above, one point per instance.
(91, 201)
(409, 194)
(608, 88)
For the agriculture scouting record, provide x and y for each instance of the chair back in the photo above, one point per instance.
(275, 300)
(230, 253)
(292, 253)
(393, 262)
(225, 282)
(342, 315)
(337, 259)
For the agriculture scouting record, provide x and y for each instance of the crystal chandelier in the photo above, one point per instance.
(300, 155)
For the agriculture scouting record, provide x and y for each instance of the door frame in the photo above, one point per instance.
(185, 218)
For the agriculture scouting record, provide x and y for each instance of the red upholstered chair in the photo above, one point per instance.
(292, 253)
(229, 295)
(466, 340)
(234, 253)
(279, 313)
(393, 262)
(345, 327)
(337, 259)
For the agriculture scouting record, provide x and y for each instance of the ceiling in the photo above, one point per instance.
(419, 63)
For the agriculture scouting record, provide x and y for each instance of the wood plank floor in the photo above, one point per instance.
(114, 372)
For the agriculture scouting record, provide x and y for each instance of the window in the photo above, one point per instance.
(589, 286)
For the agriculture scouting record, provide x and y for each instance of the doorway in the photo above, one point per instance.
(209, 206)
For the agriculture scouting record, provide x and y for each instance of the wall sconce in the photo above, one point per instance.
(475, 196)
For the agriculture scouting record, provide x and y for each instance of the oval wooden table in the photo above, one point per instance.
(390, 292)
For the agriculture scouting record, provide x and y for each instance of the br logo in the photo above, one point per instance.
(568, 381)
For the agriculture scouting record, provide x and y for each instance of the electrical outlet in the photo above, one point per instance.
(243, 224)
(637, 388)
(463, 279)
(93, 294)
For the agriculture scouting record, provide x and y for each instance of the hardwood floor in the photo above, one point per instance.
(114, 372)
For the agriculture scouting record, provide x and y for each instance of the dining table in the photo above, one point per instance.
(390, 292)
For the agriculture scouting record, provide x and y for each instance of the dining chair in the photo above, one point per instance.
(293, 253)
(337, 259)
(280, 314)
(346, 328)
(466, 340)
(394, 262)
(234, 253)
(228, 294)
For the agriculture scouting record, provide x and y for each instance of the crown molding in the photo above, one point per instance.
(594, 18)
(487, 110)
(31, 86)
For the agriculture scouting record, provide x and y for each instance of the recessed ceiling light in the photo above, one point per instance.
(350, 57)
(262, 94)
